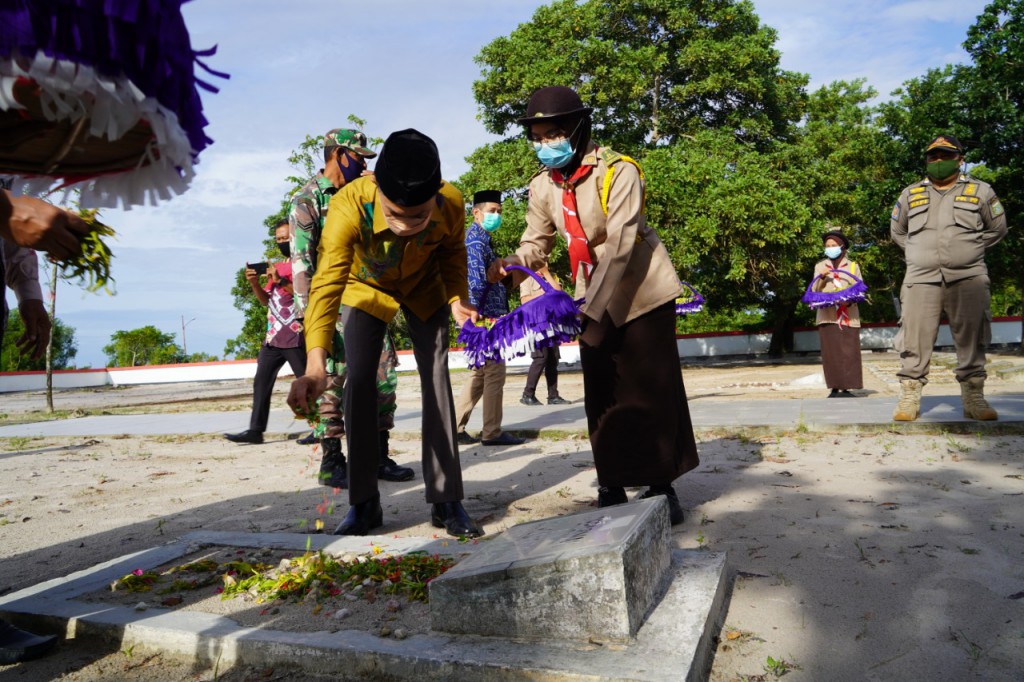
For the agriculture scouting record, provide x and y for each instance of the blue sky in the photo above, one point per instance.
(396, 64)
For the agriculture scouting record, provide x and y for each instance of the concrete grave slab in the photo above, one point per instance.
(675, 642)
(582, 576)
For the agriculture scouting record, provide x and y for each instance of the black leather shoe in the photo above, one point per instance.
(251, 437)
(390, 470)
(310, 439)
(844, 393)
(505, 438)
(607, 497)
(362, 518)
(453, 518)
(675, 510)
(17, 645)
(464, 438)
(529, 399)
(558, 400)
(333, 467)
(834, 393)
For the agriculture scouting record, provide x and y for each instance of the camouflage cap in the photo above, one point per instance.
(349, 139)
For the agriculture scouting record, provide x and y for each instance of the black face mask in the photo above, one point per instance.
(286, 249)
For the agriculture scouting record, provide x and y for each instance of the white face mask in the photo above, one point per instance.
(833, 252)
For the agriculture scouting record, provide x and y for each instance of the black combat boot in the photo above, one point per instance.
(333, 467)
(389, 469)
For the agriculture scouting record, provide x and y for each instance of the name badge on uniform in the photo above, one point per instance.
(967, 199)
(923, 201)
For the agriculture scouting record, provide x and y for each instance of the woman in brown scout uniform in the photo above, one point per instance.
(593, 197)
(838, 326)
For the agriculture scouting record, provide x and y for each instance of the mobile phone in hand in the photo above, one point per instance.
(260, 268)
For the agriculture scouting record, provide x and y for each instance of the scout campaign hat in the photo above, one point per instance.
(409, 169)
(554, 101)
(349, 139)
(945, 142)
(838, 236)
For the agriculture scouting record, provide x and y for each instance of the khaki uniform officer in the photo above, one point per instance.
(944, 224)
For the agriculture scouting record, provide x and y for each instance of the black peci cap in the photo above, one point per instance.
(554, 101)
(486, 196)
(408, 170)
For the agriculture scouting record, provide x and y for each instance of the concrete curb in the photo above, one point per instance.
(676, 641)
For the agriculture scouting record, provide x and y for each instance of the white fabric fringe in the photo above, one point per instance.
(114, 106)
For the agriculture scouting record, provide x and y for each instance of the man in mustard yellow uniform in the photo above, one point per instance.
(392, 240)
(945, 223)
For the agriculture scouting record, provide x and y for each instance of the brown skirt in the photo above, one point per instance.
(840, 356)
(639, 422)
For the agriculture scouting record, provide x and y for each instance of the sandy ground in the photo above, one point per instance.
(876, 557)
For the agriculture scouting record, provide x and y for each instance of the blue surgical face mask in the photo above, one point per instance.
(833, 252)
(491, 221)
(554, 154)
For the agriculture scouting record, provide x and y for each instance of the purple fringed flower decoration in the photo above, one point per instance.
(108, 91)
(855, 293)
(690, 303)
(548, 320)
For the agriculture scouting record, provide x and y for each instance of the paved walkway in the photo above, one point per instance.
(788, 414)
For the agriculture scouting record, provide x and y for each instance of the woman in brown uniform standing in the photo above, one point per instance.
(639, 422)
(838, 325)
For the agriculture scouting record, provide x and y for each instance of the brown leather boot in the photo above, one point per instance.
(972, 393)
(909, 407)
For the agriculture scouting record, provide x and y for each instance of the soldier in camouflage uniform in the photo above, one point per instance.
(345, 155)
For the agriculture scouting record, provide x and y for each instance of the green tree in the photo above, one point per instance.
(652, 69)
(993, 88)
(306, 160)
(64, 347)
(143, 346)
(745, 170)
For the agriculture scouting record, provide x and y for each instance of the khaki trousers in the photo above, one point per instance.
(966, 304)
(489, 382)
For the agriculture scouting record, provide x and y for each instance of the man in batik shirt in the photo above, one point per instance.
(345, 154)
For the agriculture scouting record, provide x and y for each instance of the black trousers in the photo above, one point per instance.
(546, 360)
(268, 363)
(364, 339)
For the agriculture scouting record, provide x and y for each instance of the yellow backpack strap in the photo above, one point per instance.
(611, 158)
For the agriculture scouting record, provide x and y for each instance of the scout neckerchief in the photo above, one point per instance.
(579, 247)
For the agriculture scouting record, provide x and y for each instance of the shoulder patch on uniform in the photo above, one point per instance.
(970, 190)
(967, 199)
(923, 201)
(917, 190)
(995, 206)
(896, 211)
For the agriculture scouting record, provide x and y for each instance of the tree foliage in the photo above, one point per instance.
(65, 348)
(652, 69)
(143, 346)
